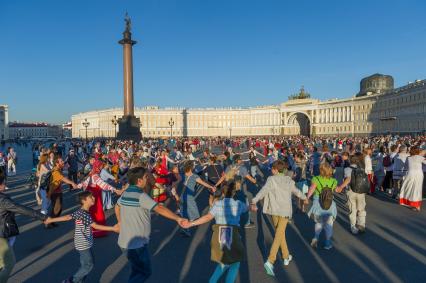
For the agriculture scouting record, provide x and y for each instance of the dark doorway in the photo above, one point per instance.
(300, 124)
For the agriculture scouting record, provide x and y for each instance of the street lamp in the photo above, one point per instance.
(114, 121)
(86, 124)
(230, 132)
(171, 124)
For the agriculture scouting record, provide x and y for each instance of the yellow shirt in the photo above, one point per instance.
(55, 181)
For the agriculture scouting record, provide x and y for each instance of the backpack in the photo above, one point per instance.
(387, 161)
(327, 157)
(326, 196)
(359, 181)
(45, 180)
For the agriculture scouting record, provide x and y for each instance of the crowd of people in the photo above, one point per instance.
(164, 176)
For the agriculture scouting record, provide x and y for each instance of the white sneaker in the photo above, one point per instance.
(354, 230)
(314, 243)
(287, 260)
(269, 268)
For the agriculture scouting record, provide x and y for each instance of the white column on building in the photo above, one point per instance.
(344, 114)
(348, 114)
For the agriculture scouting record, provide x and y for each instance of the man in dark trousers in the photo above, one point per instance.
(72, 161)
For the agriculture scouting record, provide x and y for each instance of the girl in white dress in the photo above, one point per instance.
(411, 191)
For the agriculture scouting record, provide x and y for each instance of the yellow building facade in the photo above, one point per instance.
(377, 109)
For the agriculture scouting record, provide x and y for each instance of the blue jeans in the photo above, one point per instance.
(86, 265)
(221, 268)
(140, 264)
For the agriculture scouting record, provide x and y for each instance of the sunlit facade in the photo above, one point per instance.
(377, 109)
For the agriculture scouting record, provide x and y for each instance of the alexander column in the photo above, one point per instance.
(128, 125)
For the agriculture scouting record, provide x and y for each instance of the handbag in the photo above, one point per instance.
(10, 228)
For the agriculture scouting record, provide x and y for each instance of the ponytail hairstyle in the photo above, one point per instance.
(229, 189)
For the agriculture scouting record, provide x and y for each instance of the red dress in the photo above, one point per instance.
(162, 178)
(95, 185)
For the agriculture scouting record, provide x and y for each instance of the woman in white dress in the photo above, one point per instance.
(411, 191)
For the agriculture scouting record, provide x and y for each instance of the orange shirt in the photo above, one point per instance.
(56, 181)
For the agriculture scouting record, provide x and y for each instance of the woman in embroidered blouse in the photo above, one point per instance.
(96, 185)
(227, 248)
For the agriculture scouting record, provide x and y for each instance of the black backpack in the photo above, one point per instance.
(326, 196)
(45, 180)
(359, 181)
(327, 157)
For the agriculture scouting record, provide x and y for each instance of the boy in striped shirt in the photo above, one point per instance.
(83, 236)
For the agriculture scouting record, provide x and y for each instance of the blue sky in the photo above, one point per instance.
(62, 57)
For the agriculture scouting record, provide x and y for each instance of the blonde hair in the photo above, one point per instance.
(325, 170)
(232, 177)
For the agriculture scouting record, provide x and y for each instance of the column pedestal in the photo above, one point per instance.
(128, 128)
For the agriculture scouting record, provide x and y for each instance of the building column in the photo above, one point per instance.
(339, 114)
(344, 114)
(352, 119)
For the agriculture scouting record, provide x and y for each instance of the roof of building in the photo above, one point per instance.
(29, 125)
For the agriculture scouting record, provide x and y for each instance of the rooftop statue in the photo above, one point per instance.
(301, 95)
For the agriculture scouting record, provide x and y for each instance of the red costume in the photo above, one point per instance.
(162, 178)
(96, 185)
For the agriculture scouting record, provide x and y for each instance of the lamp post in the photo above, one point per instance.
(171, 124)
(86, 124)
(230, 132)
(114, 121)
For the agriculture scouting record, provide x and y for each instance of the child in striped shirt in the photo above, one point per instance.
(83, 236)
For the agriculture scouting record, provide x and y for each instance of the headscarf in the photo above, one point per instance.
(97, 167)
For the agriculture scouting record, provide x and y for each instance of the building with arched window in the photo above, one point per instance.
(378, 108)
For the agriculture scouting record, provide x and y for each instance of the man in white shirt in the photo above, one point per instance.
(369, 169)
